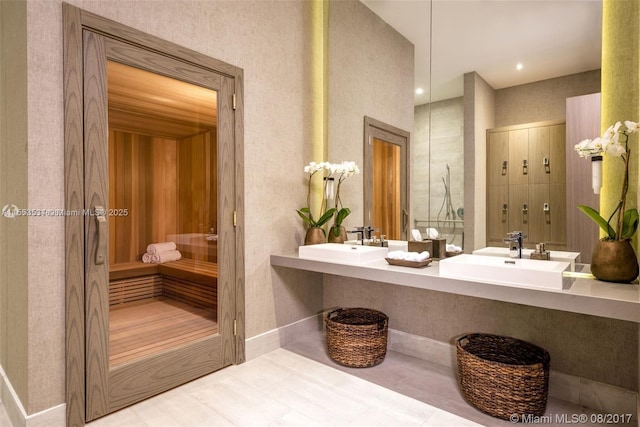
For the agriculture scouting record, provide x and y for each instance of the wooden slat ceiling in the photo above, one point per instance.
(151, 104)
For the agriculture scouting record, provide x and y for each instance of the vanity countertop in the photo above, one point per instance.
(586, 295)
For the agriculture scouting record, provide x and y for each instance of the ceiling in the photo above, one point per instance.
(147, 103)
(551, 38)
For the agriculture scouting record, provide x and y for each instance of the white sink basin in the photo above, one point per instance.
(394, 245)
(570, 257)
(507, 271)
(338, 252)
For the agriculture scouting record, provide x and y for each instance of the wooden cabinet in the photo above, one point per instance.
(526, 184)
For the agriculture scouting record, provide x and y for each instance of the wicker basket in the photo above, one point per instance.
(357, 337)
(502, 376)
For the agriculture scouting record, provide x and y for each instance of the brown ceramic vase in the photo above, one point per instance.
(314, 236)
(340, 238)
(614, 261)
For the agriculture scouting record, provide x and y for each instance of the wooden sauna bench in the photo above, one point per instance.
(154, 307)
(206, 272)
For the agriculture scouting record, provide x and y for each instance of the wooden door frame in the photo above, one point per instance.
(75, 21)
(376, 129)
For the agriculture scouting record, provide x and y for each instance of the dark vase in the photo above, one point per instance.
(314, 236)
(341, 234)
(614, 261)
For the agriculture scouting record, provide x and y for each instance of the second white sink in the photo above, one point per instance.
(338, 252)
(571, 257)
(506, 271)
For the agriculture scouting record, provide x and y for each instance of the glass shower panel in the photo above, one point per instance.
(162, 212)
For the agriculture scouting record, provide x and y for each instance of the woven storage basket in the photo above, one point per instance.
(503, 376)
(357, 337)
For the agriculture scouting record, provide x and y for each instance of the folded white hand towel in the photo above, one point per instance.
(149, 259)
(409, 256)
(168, 256)
(155, 248)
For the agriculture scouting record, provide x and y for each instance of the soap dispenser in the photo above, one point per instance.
(541, 253)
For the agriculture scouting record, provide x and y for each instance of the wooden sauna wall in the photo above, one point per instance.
(165, 186)
(197, 178)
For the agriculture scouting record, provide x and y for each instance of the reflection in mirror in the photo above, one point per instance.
(386, 188)
(386, 178)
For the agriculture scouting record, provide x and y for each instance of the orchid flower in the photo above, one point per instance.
(614, 142)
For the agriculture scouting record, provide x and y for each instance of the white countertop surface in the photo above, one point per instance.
(586, 296)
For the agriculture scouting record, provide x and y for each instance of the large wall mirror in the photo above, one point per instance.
(557, 44)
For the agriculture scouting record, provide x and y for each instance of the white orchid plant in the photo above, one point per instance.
(305, 213)
(344, 170)
(338, 212)
(614, 143)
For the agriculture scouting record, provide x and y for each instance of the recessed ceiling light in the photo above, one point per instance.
(419, 91)
(519, 66)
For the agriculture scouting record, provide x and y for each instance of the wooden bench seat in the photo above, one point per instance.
(186, 280)
(188, 269)
(192, 270)
(128, 270)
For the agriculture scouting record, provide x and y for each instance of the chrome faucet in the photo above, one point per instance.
(514, 240)
(364, 233)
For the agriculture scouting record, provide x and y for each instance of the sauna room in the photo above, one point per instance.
(162, 213)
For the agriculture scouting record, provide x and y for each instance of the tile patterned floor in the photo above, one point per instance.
(281, 389)
(435, 385)
(300, 386)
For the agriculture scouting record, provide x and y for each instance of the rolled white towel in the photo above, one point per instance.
(395, 254)
(409, 256)
(453, 248)
(168, 256)
(155, 248)
(150, 259)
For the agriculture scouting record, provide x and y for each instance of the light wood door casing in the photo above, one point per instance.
(111, 388)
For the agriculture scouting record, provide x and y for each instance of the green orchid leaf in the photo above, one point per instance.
(629, 223)
(342, 214)
(326, 217)
(306, 215)
(602, 223)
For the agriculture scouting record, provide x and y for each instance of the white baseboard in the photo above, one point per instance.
(595, 395)
(280, 337)
(51, 417)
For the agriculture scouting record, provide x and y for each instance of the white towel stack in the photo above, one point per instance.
(409, 256)
(157, 253)
(453, 248)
